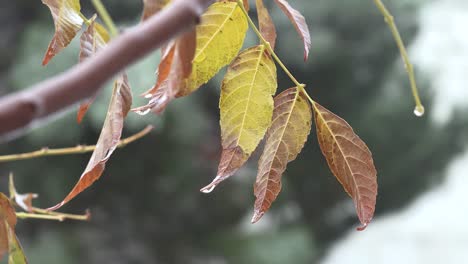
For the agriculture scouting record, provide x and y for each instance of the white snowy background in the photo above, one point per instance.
(434, 228)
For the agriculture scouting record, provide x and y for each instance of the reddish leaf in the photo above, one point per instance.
(151, 7)
(67, 20)
(299, 23)
(174, 69)
(267, 27)
(92, 40)
(349, 160)
(7, 217)
(108, 140)
(285, 139)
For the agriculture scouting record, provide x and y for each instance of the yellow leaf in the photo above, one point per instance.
(220, 36)
(67, 20)
(246, 108)
(292, 119)
(15, 251)
(349, 160)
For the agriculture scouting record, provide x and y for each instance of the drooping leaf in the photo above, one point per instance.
(15, 251)
(22, 200)
(173, 71)
(246, 109)
(220, 36)
(92, 40)
(350, 160)
(7, 217)
(267, 27)
(299, 23)
(108, 140)
(67, 20)
(151, 7)
(285, 139)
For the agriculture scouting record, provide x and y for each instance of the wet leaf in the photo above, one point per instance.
(92, 40)
(7, 221)
(15, 251)
(299, 23)
(173, 71)
(349, 160)
(67, 20)
(267, 27)
(151, 7)
(220, 36)
(285, 139)
(246, 108)
(108, 140)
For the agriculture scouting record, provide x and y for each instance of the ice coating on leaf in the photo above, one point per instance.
(350, 160)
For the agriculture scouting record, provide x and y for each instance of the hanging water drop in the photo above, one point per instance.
(419, 110)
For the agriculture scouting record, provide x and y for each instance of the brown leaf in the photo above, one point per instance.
(299, 23)
(67, 20)
(267, 27)
(174, 69)
(92, 40)
(349, 160)
(7, 216)
(292, 119)
(22, 200)
(151, 7)
(108, 140)
(15, 251)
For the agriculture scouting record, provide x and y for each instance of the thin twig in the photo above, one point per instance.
(419, 110)
(69, 151)
(102, 11)
(46, 215)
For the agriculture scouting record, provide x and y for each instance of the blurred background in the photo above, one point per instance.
(147, 207)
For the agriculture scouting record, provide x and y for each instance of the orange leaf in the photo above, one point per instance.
(67, 20)
(7, 216)
(151, 7)
(174, 69)
(267, 28)
(108, 140)
(299, 23)
(92, 40)
(349, 160)
(292, 119)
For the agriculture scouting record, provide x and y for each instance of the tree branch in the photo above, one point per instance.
(24, 109)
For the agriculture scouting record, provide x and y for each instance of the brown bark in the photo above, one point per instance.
(20, 110)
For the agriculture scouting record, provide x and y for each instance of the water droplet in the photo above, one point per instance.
(143, 112)
(419, 110)
(257, 215)
(210, 187)
(148, 96)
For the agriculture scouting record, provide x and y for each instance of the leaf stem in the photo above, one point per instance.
(268, 46)
(404, 54)
(69, 151)
(106, 18)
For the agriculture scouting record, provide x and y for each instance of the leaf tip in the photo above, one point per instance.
(257, 216)
(363, 226)
(210, 187)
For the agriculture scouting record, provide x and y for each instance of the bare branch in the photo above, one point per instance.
(20, 110)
